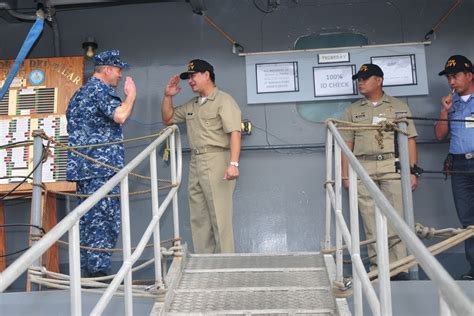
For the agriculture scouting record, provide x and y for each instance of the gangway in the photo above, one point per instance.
(251, 284)
(248, 284)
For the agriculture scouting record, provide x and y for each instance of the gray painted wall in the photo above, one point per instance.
(279, 199)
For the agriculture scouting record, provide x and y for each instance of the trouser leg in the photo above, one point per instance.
(201, 225)
(367, 212)
(463, 194)
(212, 220)
(99, 227)
(220, 197)
(392, 191)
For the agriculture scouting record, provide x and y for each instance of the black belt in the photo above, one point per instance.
(376, 157)
(466, 156)
(206, 149)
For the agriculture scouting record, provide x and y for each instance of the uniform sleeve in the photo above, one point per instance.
(347, 135)
(230, 115)
(411, 125)
(108, 103)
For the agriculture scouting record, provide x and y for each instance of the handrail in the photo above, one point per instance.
(70, 223)
(450, 292)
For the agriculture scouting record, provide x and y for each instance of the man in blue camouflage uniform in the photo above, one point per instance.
(94, 116)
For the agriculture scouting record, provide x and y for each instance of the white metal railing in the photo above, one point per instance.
(451, 297)
(70, 224)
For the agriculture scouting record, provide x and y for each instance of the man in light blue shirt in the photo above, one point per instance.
(459, 105)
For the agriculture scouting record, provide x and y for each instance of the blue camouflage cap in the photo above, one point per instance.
(109, 58)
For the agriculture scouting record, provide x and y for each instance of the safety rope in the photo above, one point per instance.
(417, 118)
(30, 143)
(142, 192)
(344, 289)
(62, 242)
(44, 136)
(422, 232)
(121, 141)
(47, 153)
(390, 125)
(410, 261)
(42, 276)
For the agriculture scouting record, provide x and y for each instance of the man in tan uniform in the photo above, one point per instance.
(377, 156)
(213, 122)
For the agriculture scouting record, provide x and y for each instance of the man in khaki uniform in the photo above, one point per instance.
(377, 156)
(213, 122)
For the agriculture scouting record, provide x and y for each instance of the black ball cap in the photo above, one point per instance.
(368, 70)
(196, 65)
(455, 64)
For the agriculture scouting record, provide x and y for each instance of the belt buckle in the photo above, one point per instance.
(469, 156)
(379, 157)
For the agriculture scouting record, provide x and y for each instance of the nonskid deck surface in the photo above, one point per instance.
(253, 284)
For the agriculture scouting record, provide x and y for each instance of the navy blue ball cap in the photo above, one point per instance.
(110, 58)
(196, 65)
(368, 70)
(455, 64)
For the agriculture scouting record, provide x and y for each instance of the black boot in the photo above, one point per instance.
(402, 276)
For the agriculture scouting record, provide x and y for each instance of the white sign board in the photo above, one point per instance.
(277, 77)
(333, 58)
(301, 73)
(397, 70)
(334, 81)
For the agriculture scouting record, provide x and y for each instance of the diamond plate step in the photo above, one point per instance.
(261, 300)
(207, 280)
(199, 262)
(252, 284)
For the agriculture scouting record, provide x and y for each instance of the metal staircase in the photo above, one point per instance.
(250, 284)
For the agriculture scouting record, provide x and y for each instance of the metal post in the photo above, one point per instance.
(74, 265)
(36, 192)
(327, 236)
(173, 181)
(338, 187)
(126, 244)
(405, 174)
(156, 231)
(355, 240)
(383, 263)
(444, 309)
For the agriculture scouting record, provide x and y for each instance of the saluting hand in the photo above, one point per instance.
(129, 87)
(173, 88)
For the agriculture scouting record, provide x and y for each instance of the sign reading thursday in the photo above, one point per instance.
(330, 58)
(334, 81)
(277, 77)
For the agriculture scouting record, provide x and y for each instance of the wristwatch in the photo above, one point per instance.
(234, 163)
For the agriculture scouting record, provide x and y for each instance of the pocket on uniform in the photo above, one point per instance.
(205, 115)
(211, 120)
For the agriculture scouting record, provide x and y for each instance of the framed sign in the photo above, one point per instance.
(398, 70)
(334, 81)
(331, 58)
(277, 77)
